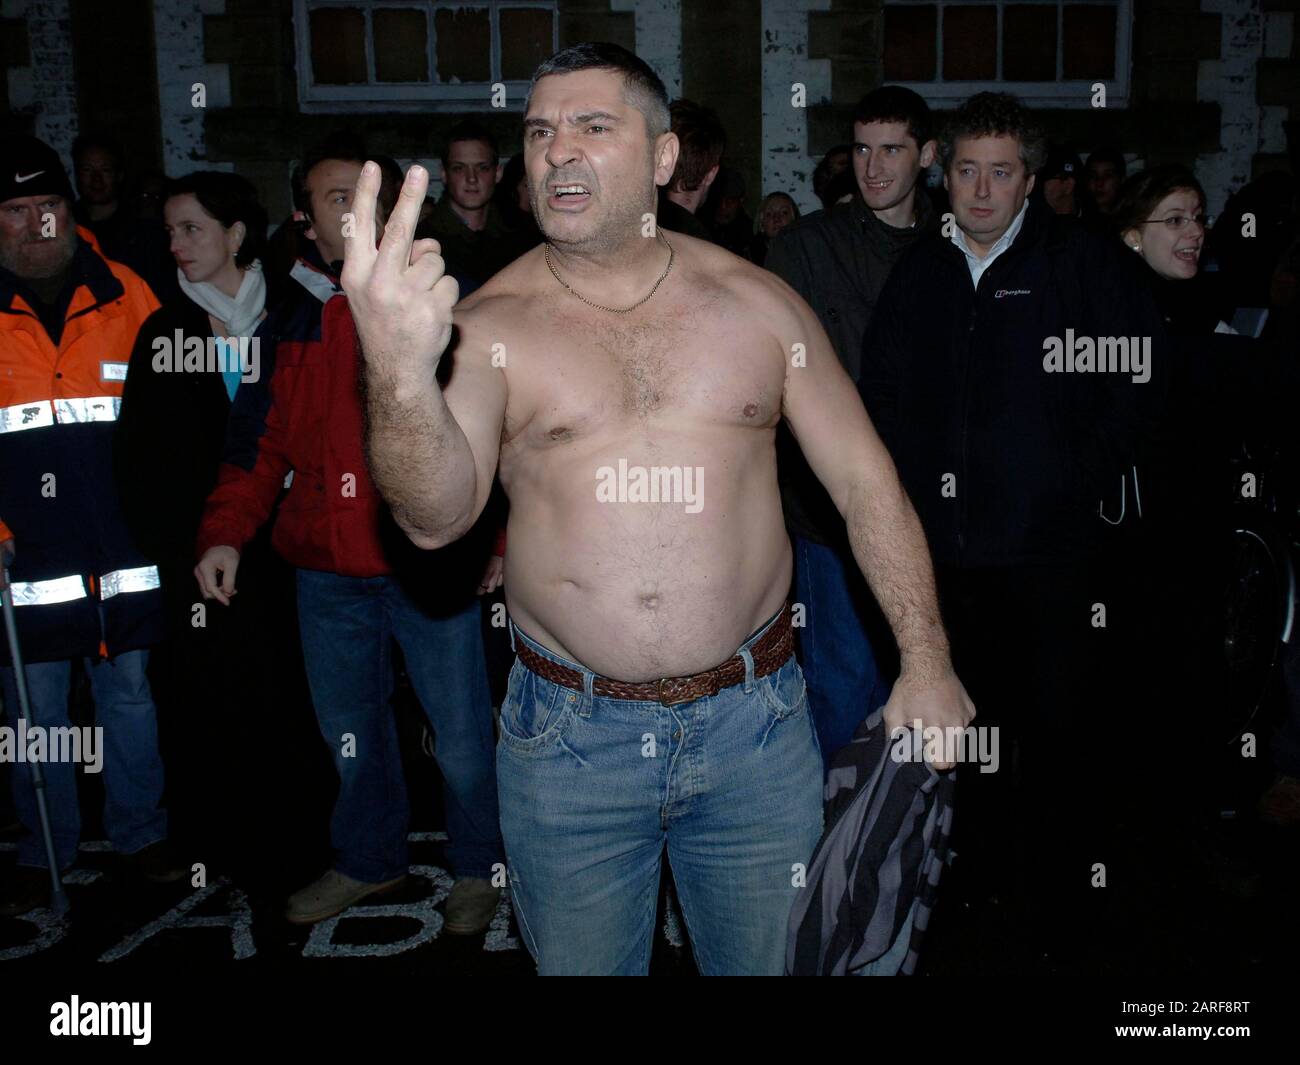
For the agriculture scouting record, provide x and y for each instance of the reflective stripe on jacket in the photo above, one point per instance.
(81, 585)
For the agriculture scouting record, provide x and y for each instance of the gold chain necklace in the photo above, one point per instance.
(546, 254)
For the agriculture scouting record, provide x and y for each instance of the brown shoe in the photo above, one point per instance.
(157, 863)
(25, 889)
(331, 894)
(471, 906)
(1280, 805)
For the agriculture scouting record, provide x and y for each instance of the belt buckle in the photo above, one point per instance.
(675, 700)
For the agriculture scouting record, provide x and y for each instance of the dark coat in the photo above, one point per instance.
(838, 261)
(169, 439)
(1005, 462)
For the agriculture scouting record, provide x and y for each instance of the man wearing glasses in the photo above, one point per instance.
(1008, 464)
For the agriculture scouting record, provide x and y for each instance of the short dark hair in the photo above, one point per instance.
(643, 88)
(229, 198)
(1141, 193)
(893, 103)
(1108, 154)
(344, 145)
(105, 142)
(995, 114)
(467, 130)
(703, 141)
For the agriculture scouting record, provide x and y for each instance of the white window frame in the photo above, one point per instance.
(410, 96)
(1060, 93)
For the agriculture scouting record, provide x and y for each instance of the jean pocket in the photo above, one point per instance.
(785, 692)
(535, 711)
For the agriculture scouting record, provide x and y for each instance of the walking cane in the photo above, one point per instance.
(58, 897)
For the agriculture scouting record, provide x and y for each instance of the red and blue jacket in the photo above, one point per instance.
(306, 416)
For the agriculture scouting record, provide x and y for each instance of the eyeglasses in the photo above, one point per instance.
(1178, 222)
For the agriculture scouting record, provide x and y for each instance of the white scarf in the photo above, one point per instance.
(241, 313)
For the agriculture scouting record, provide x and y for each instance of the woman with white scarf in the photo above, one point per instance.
(182, 384)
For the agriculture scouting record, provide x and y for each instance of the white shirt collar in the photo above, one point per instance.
(978, 265)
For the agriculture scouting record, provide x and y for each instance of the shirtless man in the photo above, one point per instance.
(612, 344)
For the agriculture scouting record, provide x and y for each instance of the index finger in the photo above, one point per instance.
(399, 233)
(359, 238)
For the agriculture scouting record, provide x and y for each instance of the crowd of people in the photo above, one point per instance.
(195, 410)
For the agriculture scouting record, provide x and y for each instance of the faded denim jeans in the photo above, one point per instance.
(593, 789)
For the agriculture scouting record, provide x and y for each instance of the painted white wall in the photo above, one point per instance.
(787, 166)
(48, 86)
(1230, 80)
(178, 41)
(658, 37)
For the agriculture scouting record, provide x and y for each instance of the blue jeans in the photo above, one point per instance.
(845, 684)
(592, 788)
(347, 626)
(132, 767)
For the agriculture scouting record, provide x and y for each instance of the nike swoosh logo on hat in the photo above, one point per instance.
(21, 178)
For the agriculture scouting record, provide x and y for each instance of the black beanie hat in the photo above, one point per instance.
(30, 167)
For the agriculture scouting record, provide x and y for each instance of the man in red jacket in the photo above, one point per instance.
(356, 594)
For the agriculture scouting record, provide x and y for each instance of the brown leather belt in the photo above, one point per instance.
(770, 653)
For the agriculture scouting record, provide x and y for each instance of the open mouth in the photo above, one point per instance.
(1189, 255)
(878, 186)
(572, 194)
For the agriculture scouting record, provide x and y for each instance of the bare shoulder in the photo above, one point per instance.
(496, 310)
(757, 294)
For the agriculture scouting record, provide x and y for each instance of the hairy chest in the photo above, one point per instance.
(578, 377)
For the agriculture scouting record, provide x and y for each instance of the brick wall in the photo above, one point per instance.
(1214, 82)
(42, 90)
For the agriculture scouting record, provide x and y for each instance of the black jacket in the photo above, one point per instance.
(169, 438)
(1006, 463)
(473, 254)
(140, 243)
(838, 261)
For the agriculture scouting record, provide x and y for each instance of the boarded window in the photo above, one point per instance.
(1028, 42)
(970, 43)
(1089, 44)
(338, 46)
(401, 45)
(525, 41)
(910, 38)
(464, 38)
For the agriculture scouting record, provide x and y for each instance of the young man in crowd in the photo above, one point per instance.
(103, 208)
(838, 260)
(1059, 182)
(703, 141)
(1104, 174)
(359, 587)
(475, 239)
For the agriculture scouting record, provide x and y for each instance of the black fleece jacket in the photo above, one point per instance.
(838, 261)
(1008, 464)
